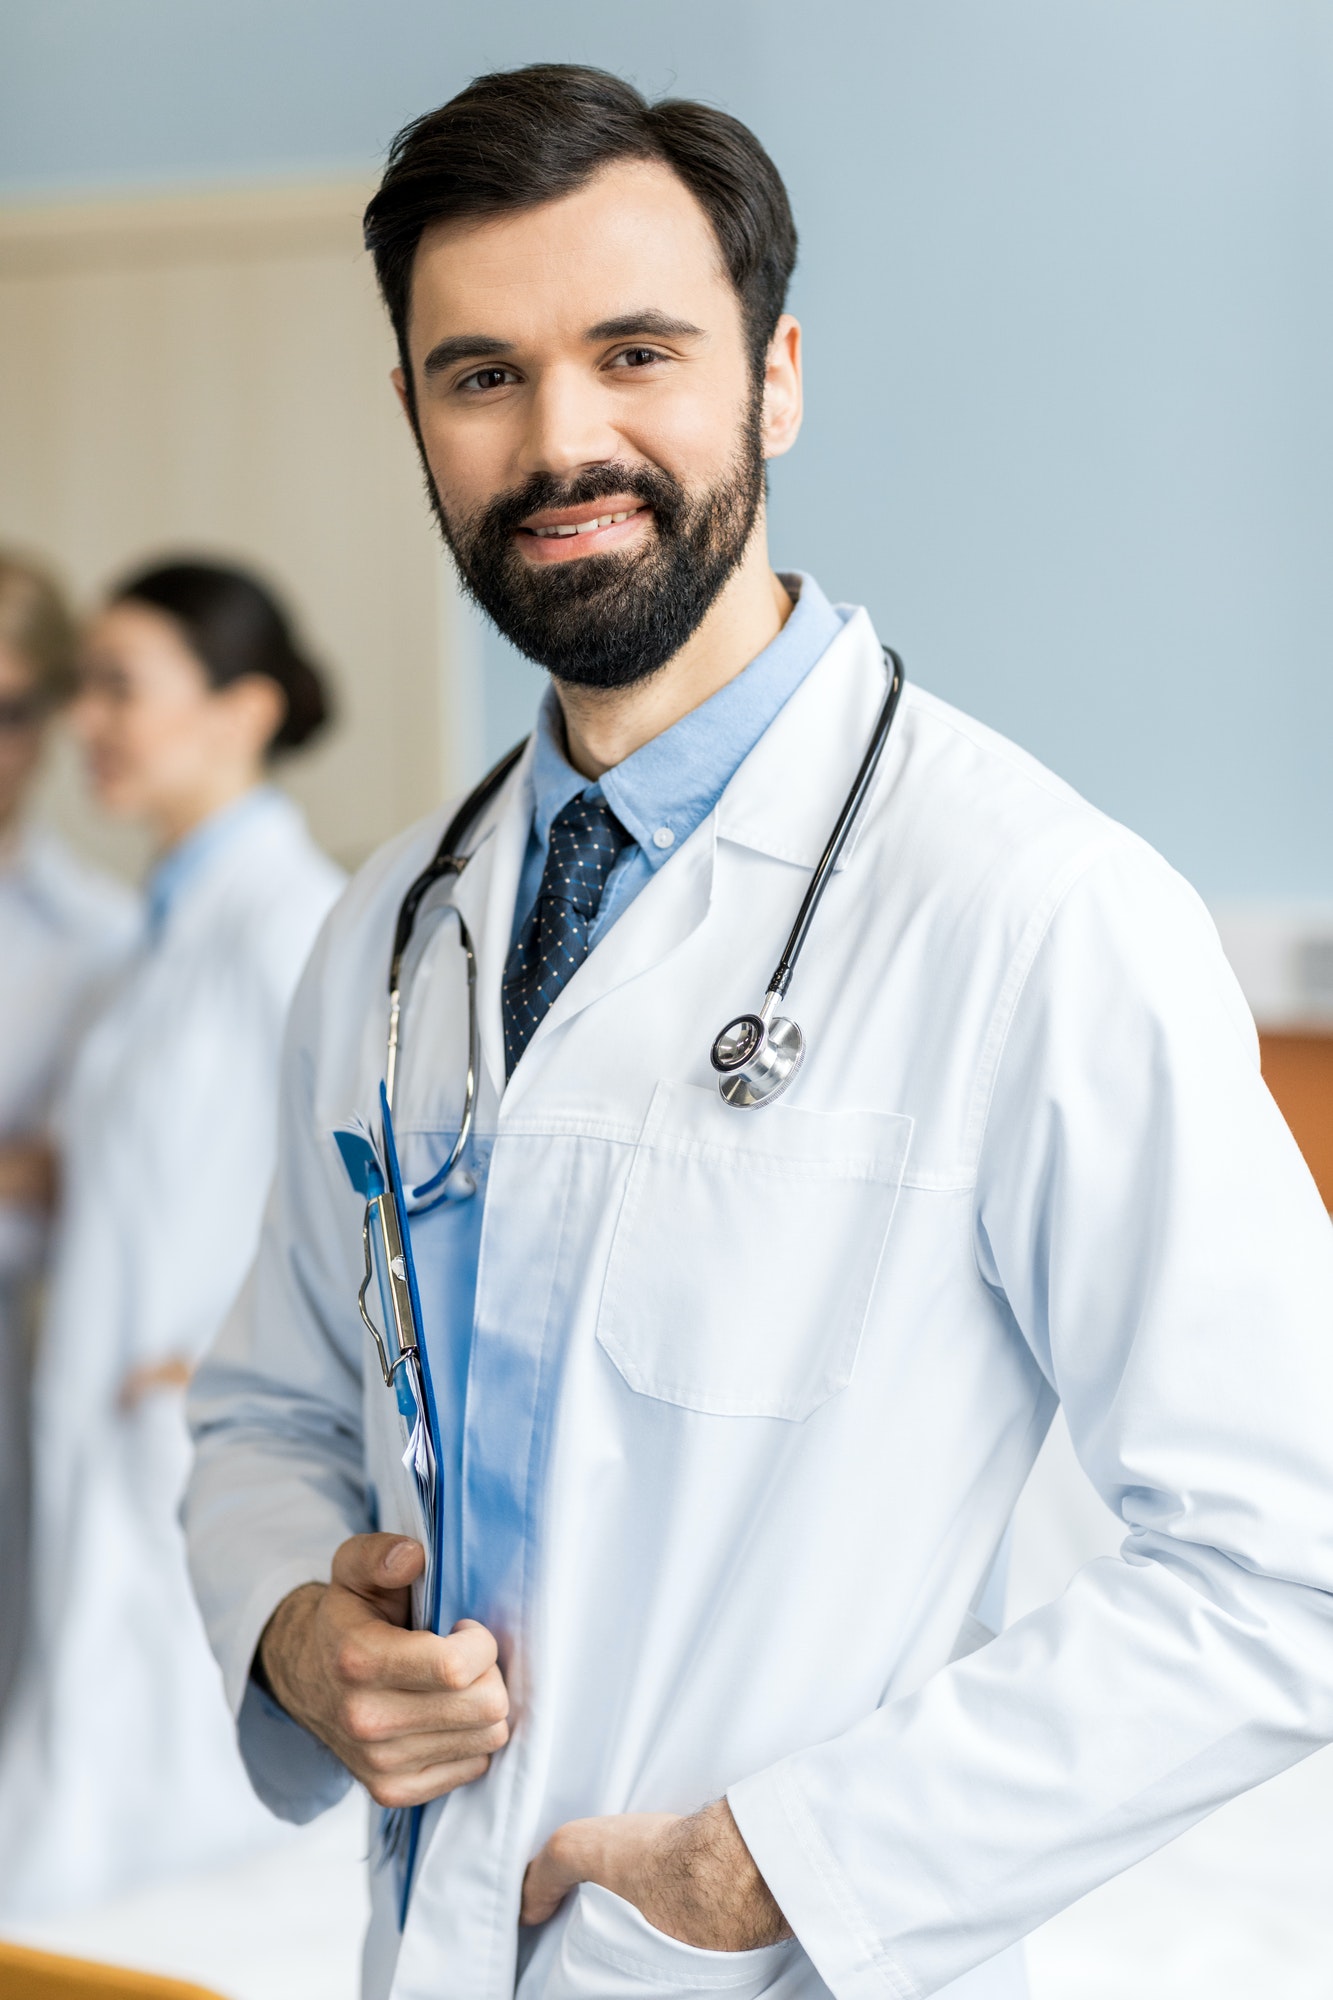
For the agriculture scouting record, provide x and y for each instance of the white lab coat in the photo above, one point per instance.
(748, 1397)
(119, 1763)
(63, 930)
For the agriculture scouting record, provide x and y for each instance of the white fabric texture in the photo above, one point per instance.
(64, 928)
(118, 1762)
(747, 1399)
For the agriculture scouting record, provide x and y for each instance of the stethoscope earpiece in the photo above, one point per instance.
(756, 1059)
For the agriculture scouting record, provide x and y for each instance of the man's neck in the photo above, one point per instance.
(603, 726)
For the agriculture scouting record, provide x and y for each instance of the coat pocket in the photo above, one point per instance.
(746, 1250)
(610, 1952)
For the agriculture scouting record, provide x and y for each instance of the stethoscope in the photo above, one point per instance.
(755, 1056)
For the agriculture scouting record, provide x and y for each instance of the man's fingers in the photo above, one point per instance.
(406, 1754)
(375, 1710)
(420, 1787)
(373, 1713)
(471, 1651)
(417, 1662)
(546, 1883)
(373, 1565)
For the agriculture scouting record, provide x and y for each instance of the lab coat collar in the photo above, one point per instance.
(782, 802)
(786, 795)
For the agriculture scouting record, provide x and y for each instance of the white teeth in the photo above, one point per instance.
(585, 527)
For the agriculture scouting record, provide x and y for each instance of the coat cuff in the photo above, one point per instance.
(292, 1772)
(296, 1776)
(811, 1892)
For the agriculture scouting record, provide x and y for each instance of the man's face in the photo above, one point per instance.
(590, 419)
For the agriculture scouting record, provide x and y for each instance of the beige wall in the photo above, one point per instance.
(209, 372)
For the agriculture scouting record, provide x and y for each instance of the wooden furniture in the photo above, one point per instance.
(41, 1975)
(1298, 1069)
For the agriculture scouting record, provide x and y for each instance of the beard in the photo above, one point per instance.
(608, 621)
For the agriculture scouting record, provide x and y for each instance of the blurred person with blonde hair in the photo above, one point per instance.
(119, 1764)
(63, 928)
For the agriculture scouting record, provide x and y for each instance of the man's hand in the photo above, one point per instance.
(692, 1878)
(411, 1715)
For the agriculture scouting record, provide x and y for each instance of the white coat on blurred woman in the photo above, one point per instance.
(119, 1764)
(63, 929)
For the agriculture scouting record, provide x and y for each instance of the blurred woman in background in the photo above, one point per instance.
(119, 1764)
(63, 928)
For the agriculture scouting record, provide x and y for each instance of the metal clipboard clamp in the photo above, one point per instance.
(404, 1365)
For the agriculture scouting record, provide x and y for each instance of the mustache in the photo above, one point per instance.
(505, 515)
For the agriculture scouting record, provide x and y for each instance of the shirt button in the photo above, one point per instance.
(664, 837)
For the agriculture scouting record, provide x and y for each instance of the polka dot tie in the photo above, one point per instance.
(553, 943)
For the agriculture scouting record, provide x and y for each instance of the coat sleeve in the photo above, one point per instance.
(1145, 1215)
(275, 1410)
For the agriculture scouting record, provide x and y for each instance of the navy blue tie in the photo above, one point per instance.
(553, 943)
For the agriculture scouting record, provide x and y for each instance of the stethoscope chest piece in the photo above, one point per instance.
(756, 1059)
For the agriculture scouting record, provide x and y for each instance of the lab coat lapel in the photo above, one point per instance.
(782, 801)
(785, 797)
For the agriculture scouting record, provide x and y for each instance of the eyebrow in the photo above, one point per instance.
(648, 321)
(463, 347)
(485, 346)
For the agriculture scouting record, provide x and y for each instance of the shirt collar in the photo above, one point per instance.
(182, 863)
(668, 787)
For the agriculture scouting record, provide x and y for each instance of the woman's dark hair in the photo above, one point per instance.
(521, 137)
(235, 626)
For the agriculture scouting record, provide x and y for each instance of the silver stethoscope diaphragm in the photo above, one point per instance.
(756, 1055)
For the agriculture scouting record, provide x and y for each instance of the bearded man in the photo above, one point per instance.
(637, 1553)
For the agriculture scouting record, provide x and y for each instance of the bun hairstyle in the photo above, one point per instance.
(234, 625)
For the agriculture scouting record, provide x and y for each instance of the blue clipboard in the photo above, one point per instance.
(405, 1363)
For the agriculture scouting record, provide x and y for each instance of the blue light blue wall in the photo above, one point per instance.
(1068, 292)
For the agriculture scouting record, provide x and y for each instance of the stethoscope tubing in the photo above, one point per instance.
(837, 840)
(448, 860)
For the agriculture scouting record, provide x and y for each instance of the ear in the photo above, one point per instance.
(783, 400)
(256, 708)
(399, 380)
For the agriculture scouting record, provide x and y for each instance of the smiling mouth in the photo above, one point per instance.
(590, 527)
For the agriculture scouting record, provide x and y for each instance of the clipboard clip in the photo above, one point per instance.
(382, 1216)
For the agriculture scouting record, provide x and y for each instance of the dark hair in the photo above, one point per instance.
(235, 626)
(520, 137)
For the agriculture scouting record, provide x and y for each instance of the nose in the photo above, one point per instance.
(568, 426)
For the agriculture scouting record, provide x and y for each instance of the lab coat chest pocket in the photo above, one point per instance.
(746, 1250)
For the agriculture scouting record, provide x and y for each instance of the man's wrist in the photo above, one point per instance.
(716, 1870)
(277, 1640)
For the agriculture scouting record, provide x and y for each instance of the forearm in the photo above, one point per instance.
(261, 1521)
(691, 1877)
(709, 1885)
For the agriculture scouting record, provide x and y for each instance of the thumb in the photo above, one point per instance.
(378, 1565)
